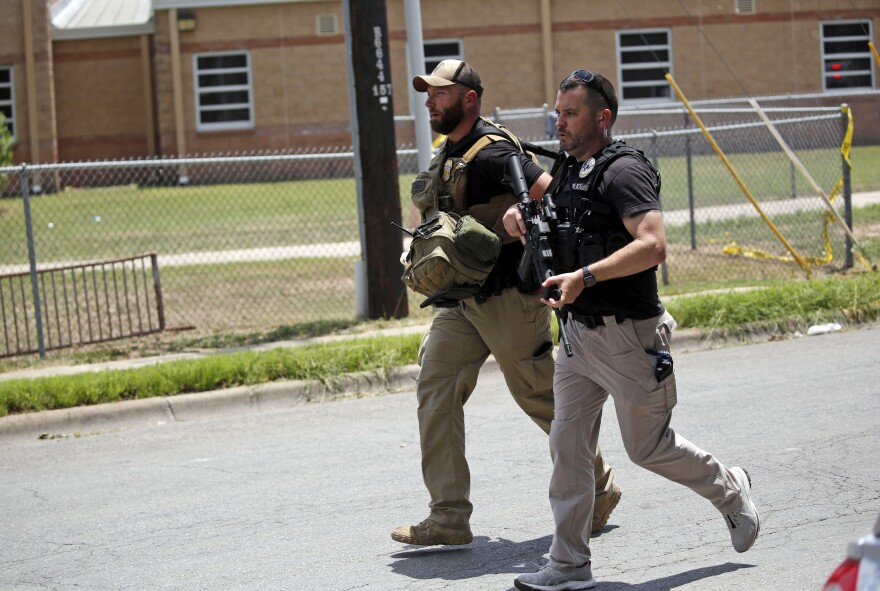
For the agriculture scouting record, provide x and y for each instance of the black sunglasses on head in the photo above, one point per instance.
(589, 78)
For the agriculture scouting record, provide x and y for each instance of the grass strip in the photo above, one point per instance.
(793, 306)
(320, 362)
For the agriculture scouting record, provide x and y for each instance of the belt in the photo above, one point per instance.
(594, 320)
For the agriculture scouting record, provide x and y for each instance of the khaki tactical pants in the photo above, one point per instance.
(513, 327)
(612, 359)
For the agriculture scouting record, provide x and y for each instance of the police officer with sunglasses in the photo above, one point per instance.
(609, 241)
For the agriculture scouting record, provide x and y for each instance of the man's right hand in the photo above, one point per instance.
(514, 223)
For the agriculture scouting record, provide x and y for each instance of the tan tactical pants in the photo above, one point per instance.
(611, 360)
(513, 327)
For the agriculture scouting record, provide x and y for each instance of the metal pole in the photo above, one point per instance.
(689, 158)
(32, 259)
(792, 177)
(664, 270)
(415, 51)
(375, 160)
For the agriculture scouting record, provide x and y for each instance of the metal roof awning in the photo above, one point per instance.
(91, 19)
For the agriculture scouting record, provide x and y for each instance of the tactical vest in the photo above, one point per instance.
(589, 228)
(456, 248)
(443, 187)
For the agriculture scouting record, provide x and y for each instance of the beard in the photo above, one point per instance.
(580, 140)
(449, 119)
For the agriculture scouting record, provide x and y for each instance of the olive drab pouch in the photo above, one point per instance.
(449, 253)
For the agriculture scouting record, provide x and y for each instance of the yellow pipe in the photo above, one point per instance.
(739, 181)
(874, 51)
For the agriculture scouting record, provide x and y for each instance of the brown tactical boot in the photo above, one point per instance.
(605, 504)
(431, 533)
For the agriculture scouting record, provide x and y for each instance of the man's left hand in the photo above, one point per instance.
(570, 284)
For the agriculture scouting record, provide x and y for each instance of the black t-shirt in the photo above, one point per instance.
(627, 185)
(485, 179)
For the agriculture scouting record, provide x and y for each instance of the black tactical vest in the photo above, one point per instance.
(589, 228)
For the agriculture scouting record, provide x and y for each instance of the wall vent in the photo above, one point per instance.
(745, 6)
(328, 24)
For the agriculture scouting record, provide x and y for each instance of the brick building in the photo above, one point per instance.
(96, 79)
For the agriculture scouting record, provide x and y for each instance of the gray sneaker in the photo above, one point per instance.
(743, 523)
(550, 579)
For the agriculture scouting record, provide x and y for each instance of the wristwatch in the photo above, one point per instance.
(589, 280)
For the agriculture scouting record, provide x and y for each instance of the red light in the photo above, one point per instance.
(837, 76)
(836, 66)
(844, 578)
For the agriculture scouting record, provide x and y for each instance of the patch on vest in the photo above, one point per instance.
(447, 169)
(587, 168)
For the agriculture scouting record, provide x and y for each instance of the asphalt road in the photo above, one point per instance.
(305, 498)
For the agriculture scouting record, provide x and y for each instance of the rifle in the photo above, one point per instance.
(537, 259)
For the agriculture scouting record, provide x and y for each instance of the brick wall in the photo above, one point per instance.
(103, 114)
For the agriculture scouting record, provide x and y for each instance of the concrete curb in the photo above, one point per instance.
(274, 396)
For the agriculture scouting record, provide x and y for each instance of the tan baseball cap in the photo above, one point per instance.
(450, 72)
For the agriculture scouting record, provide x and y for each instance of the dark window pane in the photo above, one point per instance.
(644, 75)
(848, 81)
(7, 110)
(846, 29)
(5, 94)
(639, 39)
(212, 62)
(442, 49)
(860, 46)
(230, 116)
(223, 98)
(5, 75)
(645, 92)
(644, 56)
(209, 80)
(848, 65)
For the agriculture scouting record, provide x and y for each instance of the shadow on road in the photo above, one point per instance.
(486, 556)
(673, 581)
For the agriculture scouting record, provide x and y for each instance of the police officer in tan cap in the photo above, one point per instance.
(505, 318)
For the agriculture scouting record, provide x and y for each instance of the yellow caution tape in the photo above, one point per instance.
(733, 249)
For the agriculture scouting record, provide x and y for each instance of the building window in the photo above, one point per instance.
(644, 58)
(7, 98)
(437, 51)
(846, 57)
(224, 97)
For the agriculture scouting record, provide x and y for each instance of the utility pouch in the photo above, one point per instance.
(563, 249)
(590, 249)
(615, 242)
(448, 251)
(422, 191)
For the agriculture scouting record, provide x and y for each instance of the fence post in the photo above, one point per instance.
(157, 288)
(689, 160)
(664, 270)
(32, 259)
(791, 171)
(847, 190)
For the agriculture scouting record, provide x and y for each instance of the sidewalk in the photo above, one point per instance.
(241, 400)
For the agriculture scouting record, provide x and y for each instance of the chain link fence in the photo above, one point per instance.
(250, 243)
